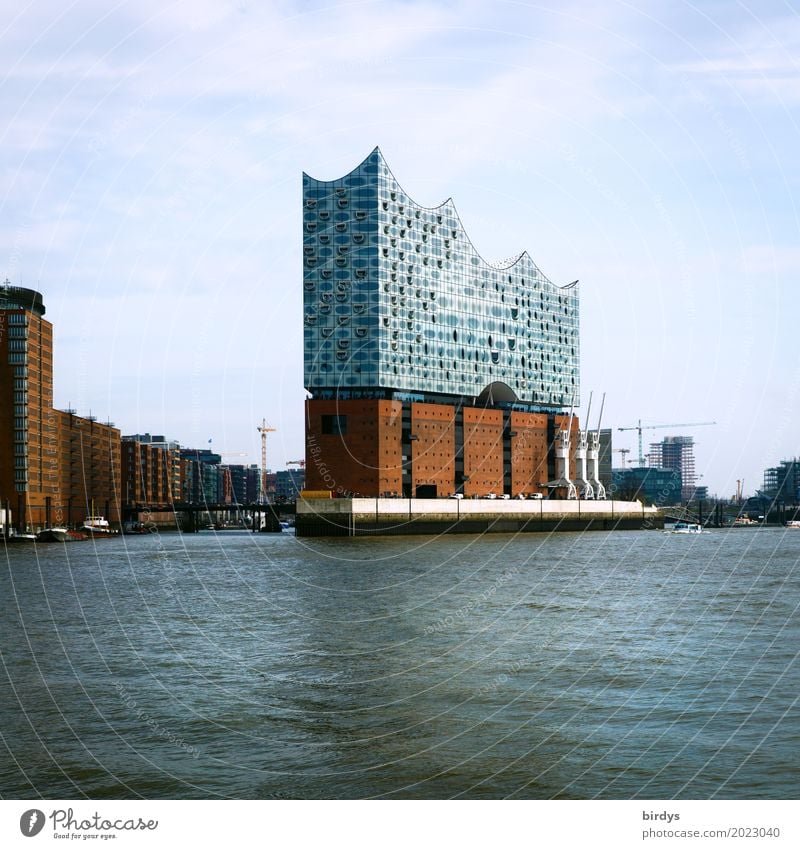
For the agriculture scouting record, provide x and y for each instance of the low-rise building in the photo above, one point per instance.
(651, 486)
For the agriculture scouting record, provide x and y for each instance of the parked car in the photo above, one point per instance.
(458, 495)
(490, 495)
(536, 496)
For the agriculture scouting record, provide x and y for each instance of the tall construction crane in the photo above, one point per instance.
(264, 430)
(640, 427)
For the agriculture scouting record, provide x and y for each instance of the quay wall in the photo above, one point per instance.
(390, 516)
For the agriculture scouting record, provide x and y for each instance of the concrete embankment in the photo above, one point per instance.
(324, 517)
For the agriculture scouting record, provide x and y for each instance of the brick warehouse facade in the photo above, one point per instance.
(431, 371)
(387, 448)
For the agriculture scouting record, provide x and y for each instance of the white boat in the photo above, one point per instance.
(53, 535)
(18, 538)
(97, 526)
(794, 523)
(685, 528)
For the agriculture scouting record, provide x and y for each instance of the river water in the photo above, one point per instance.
(234, 665)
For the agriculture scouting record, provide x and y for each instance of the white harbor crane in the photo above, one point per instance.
(562, 444)
(594, 455)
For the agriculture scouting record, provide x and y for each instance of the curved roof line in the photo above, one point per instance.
(502, 265)
(363, 161)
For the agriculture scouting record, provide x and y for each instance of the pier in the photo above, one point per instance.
(328, 517)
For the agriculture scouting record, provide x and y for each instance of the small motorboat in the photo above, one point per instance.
(685, 528)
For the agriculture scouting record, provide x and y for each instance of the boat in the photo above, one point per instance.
(53, 535)
(18, 538)
(685, 528)
(97, 526)
(793, 523)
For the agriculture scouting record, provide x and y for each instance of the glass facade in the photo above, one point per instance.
(396, 298)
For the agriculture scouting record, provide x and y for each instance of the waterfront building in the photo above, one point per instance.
(165, 453)
(431, 371)
(288, 483)
(150, 471)
(241, 484)
(253, 484)
(28, 434)
(90, 469)
(237, 475)
(651, 486)
(55, 467)
(200, 474)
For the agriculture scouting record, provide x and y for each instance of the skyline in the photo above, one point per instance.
(153, 168)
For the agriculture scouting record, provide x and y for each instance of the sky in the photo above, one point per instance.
(151, 155)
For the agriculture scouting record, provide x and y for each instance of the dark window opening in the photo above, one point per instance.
(336, 425)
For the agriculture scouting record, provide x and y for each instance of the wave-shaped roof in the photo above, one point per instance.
(523, 258)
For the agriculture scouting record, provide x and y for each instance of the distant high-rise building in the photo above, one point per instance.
(676, 453)
(783, 482)
(431, 370)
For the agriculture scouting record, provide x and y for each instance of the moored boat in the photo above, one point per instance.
(53, 535)
(18, 538)
(97, 526)
(794, 523)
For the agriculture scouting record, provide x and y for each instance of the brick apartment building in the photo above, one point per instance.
(55, 467)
